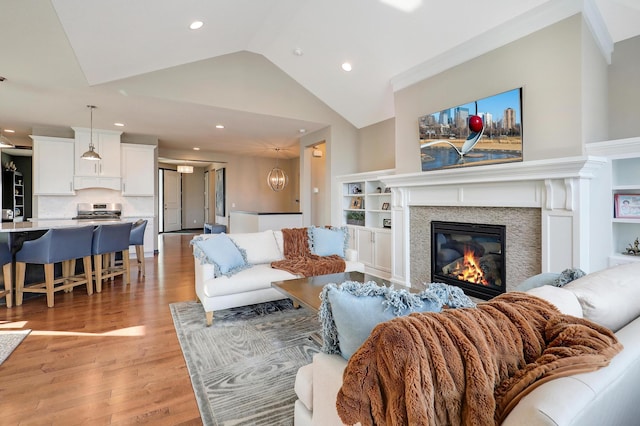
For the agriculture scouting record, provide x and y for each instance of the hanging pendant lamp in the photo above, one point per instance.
(91, 154)
(277, 179)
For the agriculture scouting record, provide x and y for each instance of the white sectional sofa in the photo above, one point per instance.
(607, 396)
(253, 284)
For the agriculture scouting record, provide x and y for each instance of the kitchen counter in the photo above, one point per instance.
(44, 224)
(241, 221)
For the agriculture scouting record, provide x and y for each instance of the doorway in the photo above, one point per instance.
(170, 204)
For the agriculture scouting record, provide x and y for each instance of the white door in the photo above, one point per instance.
(172, 204)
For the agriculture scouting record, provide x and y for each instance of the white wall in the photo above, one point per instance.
(624, 89)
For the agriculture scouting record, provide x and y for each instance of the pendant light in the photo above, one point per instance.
(5, 142)
(277, 179)
(91, 154)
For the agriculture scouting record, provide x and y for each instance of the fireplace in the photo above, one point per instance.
(470, 256)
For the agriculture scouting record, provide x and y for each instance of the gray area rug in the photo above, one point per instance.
(9, 341)
(243, 367)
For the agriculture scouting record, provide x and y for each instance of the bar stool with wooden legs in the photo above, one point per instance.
(108, 240)
(5, 261)
(136, 239)
(58, 245)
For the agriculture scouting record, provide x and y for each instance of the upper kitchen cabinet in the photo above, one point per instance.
(104, 173)
(138, 169)
(53, 165)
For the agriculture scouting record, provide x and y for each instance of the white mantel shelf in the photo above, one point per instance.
(560, 188)
(571, 167)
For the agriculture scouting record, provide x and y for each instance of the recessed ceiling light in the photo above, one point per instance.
(346, 66)
(119, 124)
(9, 130)
(196, 25)
(219, 126)
(302, 130)
(298, 52)
(196, 148)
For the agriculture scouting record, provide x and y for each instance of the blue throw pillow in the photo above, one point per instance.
(328, 241)
(350, 311)
(222, 252)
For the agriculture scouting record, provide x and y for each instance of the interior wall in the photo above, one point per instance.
(624, 89)
(318, 185)
(595, 105)
(193, 199)
(376, 146)
(546, 64)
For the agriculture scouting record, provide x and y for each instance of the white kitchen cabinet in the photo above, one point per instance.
(104, 173)
(53, 160)
(374, 249)
(138, 169)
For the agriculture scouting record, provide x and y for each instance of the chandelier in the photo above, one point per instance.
(277, 179)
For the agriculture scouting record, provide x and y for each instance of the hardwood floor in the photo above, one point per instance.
(108, 358)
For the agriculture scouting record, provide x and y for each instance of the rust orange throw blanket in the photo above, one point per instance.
(299, 260)
(467, 366)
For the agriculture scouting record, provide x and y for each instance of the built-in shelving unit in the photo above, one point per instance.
(624, 157)
(13, 193)
(366, 211)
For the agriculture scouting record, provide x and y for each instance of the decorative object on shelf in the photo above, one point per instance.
(354, 188)
(379, 190)
(5, 142)
(357, 203)
(633, 249)
(277, 179)
(387, 190)
(386, 223)
(355, 218)
(385, 206)
(91, 154)
(10, 166)
(627, 206)
(185, 169)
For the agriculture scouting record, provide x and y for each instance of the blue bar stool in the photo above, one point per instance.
(5, 261)
(108, 240)
(136, 238)
(56, 246)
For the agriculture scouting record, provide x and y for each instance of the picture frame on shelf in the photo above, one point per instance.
(387, 190)
(385, 206)
(357, 203)
(627, 206)
(355, 188)
(386, 223)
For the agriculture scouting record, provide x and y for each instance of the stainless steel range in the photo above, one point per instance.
(99, 211)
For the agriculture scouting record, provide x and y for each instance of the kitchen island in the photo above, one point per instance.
(242, 221)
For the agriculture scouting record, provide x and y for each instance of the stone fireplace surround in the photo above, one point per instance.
(543, 203)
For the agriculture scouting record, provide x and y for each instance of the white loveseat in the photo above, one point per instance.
(253, 284)
(607, 396)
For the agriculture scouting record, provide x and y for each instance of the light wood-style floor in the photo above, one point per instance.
(108, 358)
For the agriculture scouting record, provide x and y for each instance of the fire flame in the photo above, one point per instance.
(469, 269)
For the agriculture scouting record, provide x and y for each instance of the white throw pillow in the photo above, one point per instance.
(261, 247)
(610, 297)
(564, 300)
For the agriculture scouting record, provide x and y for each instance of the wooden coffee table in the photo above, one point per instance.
(306, 291)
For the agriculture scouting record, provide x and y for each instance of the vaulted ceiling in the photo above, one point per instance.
(139, 62)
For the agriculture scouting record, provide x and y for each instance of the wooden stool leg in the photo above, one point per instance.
(20, 271)
(86, 262)
(8, 284)
(97, 263)
(126, 279)
(48, 279)
(140, 258)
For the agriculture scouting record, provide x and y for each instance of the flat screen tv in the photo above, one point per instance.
(481, 132)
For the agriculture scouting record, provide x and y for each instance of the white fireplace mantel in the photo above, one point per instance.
(559, 187)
